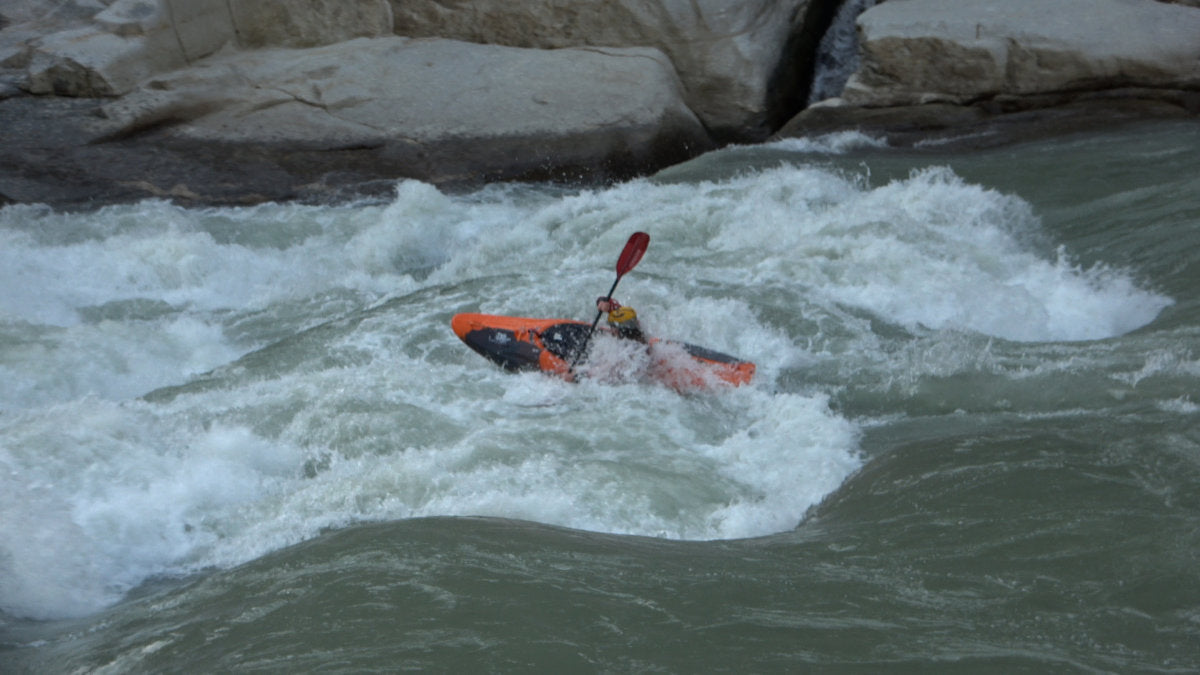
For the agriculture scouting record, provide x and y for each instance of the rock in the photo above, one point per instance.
(959, 51)
(23, 22)
(941, 127)
(744, 65)
(49, 15)
(126, 43)
(196, 27)
(438, 110)
(237, 101)
(86, 62)
(133, 40)
(832, 116)
(308, 23)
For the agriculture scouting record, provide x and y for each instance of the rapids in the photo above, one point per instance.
(189, 394)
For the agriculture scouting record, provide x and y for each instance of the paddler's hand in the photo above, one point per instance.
(604, 304)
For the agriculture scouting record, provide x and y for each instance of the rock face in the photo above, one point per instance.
(436, 109)
(741, 63)
(133, 40)
(960, 51)
(444, 91)
(307, 23)
(974, 73)
(220, 101)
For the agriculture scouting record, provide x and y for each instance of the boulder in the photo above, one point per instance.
(438, 110)
(940, 127)
(126, 43)
(133, 40)
(960, 51)
(308, 23)
(49, 15)
(744, 65)
(23, 22)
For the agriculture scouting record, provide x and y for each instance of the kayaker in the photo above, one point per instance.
(622, 320)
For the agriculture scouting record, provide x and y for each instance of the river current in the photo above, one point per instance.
(247, 438)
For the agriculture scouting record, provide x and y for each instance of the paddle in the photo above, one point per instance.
(631, 255)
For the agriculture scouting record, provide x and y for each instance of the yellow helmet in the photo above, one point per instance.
(622, 315)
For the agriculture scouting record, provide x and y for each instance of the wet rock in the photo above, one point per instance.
(131, 41)
(961, 51)
(744, 65)
(1002, 121)
(289, 124)
(238, 101)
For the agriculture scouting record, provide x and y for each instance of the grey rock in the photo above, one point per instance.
(959, 51)
(741, 63)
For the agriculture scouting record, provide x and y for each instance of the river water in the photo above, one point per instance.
(246, 437)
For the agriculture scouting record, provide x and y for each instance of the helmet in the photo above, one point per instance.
(622, 315)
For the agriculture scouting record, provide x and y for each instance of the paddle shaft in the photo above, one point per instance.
(595, 322)
(630, 256)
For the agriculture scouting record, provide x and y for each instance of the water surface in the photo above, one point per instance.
(246, 437)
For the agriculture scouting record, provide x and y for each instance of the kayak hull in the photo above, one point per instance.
(548, 345)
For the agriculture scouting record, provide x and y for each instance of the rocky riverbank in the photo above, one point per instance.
(243, 101)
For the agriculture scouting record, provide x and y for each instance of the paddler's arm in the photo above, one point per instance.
(621, 319)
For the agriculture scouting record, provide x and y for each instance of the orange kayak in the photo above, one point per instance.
(548, 345)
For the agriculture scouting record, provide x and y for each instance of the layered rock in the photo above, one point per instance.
(434, 109)
(537, 89)
(960, 51)
(244, 100)
(131, 41)
(744, 65)
(974, 73)
(307, 23)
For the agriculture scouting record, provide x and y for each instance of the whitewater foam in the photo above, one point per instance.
(329, 403)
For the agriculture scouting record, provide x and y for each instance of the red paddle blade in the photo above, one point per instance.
(635, 248)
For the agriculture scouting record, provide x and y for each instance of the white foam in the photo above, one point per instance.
(113, 360)
(836, 143)
(786, 462)
(1182, 406)
(927, 251)
(127, 491)
(390, 417)
(93, 507)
